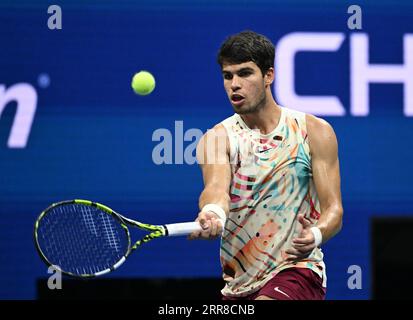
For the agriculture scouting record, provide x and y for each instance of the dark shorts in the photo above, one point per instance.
(290, 284)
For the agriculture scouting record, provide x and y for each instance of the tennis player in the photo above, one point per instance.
(272, 183)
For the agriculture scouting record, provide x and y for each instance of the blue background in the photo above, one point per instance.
(92, 136)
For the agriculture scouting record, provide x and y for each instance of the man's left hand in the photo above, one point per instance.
(304, 244)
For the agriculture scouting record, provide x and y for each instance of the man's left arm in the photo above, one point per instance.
(326, 176)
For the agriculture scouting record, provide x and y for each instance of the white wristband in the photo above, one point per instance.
(212, 207)
(318, 237)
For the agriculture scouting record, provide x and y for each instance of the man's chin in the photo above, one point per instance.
(242, 110)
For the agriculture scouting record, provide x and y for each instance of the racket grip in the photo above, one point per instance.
(182, 229)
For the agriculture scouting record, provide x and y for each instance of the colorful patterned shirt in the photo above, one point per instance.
(271, 184)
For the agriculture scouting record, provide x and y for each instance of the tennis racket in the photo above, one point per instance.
(86, 239)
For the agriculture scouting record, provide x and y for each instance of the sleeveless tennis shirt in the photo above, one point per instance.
(271, 184)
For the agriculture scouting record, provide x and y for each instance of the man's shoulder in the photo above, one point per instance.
(218, 130)
(316, 124)
(321, 135)
(310, 119)
(223, 126)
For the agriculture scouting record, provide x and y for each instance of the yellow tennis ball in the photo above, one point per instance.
(143, 83)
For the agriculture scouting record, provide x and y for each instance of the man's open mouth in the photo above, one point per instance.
(237, 98)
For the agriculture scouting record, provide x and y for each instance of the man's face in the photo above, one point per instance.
(245, 86)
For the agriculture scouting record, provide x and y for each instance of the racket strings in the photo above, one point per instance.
(81, 239)
(110, 233)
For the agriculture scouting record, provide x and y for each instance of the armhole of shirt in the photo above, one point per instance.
(302, 135)
(305, 141)
(303, 132)
(227, 124)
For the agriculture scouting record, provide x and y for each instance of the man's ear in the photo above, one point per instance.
(269, 76)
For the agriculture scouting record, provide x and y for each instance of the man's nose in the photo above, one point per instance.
(235, 83)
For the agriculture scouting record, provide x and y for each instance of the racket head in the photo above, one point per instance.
(82, 238)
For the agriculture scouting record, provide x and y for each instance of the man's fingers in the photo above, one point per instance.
(298, 253)
(206, 229)
(304, 222)
(299, 245)
(292, 257)
(214, 227)
(305, 250)
(203, 221)
(220, 226)
(194, 235)
(292, 251)
(303, 241)
(211, 225)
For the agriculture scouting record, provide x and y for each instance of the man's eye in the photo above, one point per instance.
(227, 76)
(244, 73)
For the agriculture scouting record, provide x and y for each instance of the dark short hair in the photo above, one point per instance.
(247, 46)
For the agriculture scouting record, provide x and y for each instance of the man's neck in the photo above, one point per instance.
(266, 119)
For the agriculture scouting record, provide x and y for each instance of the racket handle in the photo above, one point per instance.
(182, 229)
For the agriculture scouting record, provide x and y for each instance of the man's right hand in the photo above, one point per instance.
(211, 226)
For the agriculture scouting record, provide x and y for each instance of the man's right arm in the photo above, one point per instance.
(213, 158)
